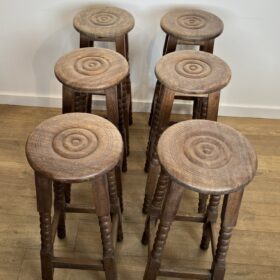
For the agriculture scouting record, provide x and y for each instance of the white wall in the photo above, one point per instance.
(35, 33)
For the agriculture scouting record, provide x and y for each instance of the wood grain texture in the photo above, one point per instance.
(103, 22)
(91, 69)
(193, 72)
(74, 147)
(192, 25)
(207, 156)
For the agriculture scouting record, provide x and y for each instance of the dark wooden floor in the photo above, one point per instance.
(255, 248)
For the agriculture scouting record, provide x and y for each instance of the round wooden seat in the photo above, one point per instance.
(192, 25)
(193, 72)
(74, 147)
(103, 22)
(91, 69)
(207, 156)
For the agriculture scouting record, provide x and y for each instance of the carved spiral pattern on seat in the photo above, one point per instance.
(92, 65)
(207, 151)
(104, 19)
(193, 68)
(191, 21)
(75, 143)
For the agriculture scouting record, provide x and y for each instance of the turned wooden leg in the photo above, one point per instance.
(151, 183)
(229, 217)
(119, 185)
(153, 106)
(153, 129)
(114, 201)
(115, 115)
(160, 121)
(44, 204)
(122, 125)
(128, 81)
(102, 204)
(159, 124)
(155, 208)
(212, 214)
(170, 208)
(125, 112)
(170, 45)
(122, 48)
(59, 206)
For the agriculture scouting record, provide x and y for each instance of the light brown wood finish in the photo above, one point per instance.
(191, 74)
(192, 25)
(91, 69)
(209, 158)
(102, 23)
(73, 148)
(253, 254)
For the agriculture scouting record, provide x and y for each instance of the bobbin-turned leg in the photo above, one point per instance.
(122, 48)
(170, 45)
(102, 204)
(115, 202)
(128, 82)
(44, 204)
(155, 208)
(123, 125)
(59, 206)
(159, 126)
(119, 185)
(160, 121)
(170, 208)
(125, 113)
(229, 217)
(115, 115)
(212, 214)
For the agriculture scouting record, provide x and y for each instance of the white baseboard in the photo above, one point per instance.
(234, 110)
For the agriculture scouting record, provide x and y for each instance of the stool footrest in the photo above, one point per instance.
(75, 208)
(198, 218)
(191, 273)
(81, 263)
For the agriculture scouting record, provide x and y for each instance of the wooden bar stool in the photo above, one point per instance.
(74, 148)
(192, 74)
(111, 24)
(188, 27)
(98, 71)
(209, 158)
